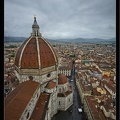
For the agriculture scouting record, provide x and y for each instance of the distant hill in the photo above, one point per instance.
(14, 39)
(89, 40)
(77, 40)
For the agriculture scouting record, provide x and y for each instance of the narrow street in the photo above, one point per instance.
(72, 113)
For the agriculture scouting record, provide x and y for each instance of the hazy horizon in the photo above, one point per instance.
(61, 19)
(64, 38)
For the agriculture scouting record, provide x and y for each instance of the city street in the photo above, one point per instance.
(72, 113)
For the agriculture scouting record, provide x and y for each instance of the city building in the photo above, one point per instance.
(64, 70)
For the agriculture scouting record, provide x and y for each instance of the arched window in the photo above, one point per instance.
(37, 95)
(59, 90)
(28, 115)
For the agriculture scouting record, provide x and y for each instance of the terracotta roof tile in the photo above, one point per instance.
(16, 101)
(105, 77)
(64, 68)
(46, 54)
(94, 111)
(29, 56)
(17, 57)
(64, 94)
(68, 93)
(62, 79)
(111, 82)
(111, 87)
(41, 107)
(50, 85)
(60, 95)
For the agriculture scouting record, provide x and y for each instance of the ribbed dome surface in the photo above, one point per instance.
(62, 79)
(35, 52)
(50, 85)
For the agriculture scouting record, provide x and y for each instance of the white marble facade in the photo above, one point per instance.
(55, 103)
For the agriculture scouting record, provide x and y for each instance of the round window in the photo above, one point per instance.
(48, 75)
(31, 77)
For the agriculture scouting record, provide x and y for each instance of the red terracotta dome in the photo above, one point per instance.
(35, 52)
(50, 85)
(62, 79)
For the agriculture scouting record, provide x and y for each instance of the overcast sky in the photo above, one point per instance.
(61, 18)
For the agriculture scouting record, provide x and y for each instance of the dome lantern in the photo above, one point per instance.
(35, 52)
(35, 28)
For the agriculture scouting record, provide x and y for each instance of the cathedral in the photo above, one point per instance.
(41, 91)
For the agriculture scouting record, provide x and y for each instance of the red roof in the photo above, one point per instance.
(111, 87)
(17, 100)
(31, 51)
(94, 111)
(111, 82)
(62, 79)
(41, 107)
(64, 94)
(50, 85)
(105, 77)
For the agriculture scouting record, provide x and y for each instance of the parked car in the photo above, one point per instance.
(80, 110)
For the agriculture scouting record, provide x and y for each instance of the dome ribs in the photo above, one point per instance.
(35, 53)
(30, 57)
(17, 57)
(46, 55)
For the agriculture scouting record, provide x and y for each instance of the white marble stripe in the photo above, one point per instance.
(50, 48)
(22, 52)
(38, 52)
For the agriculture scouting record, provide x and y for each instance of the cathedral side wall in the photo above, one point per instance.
(61, 103)
(54, 103)
(53, 100)
(38, 78)
(68, 101)
(62, 87)
(49, 112)
(31, 105)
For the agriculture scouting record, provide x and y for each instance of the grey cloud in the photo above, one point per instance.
(61, 18)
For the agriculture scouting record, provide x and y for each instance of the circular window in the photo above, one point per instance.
(31, 77)
(48, 75)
